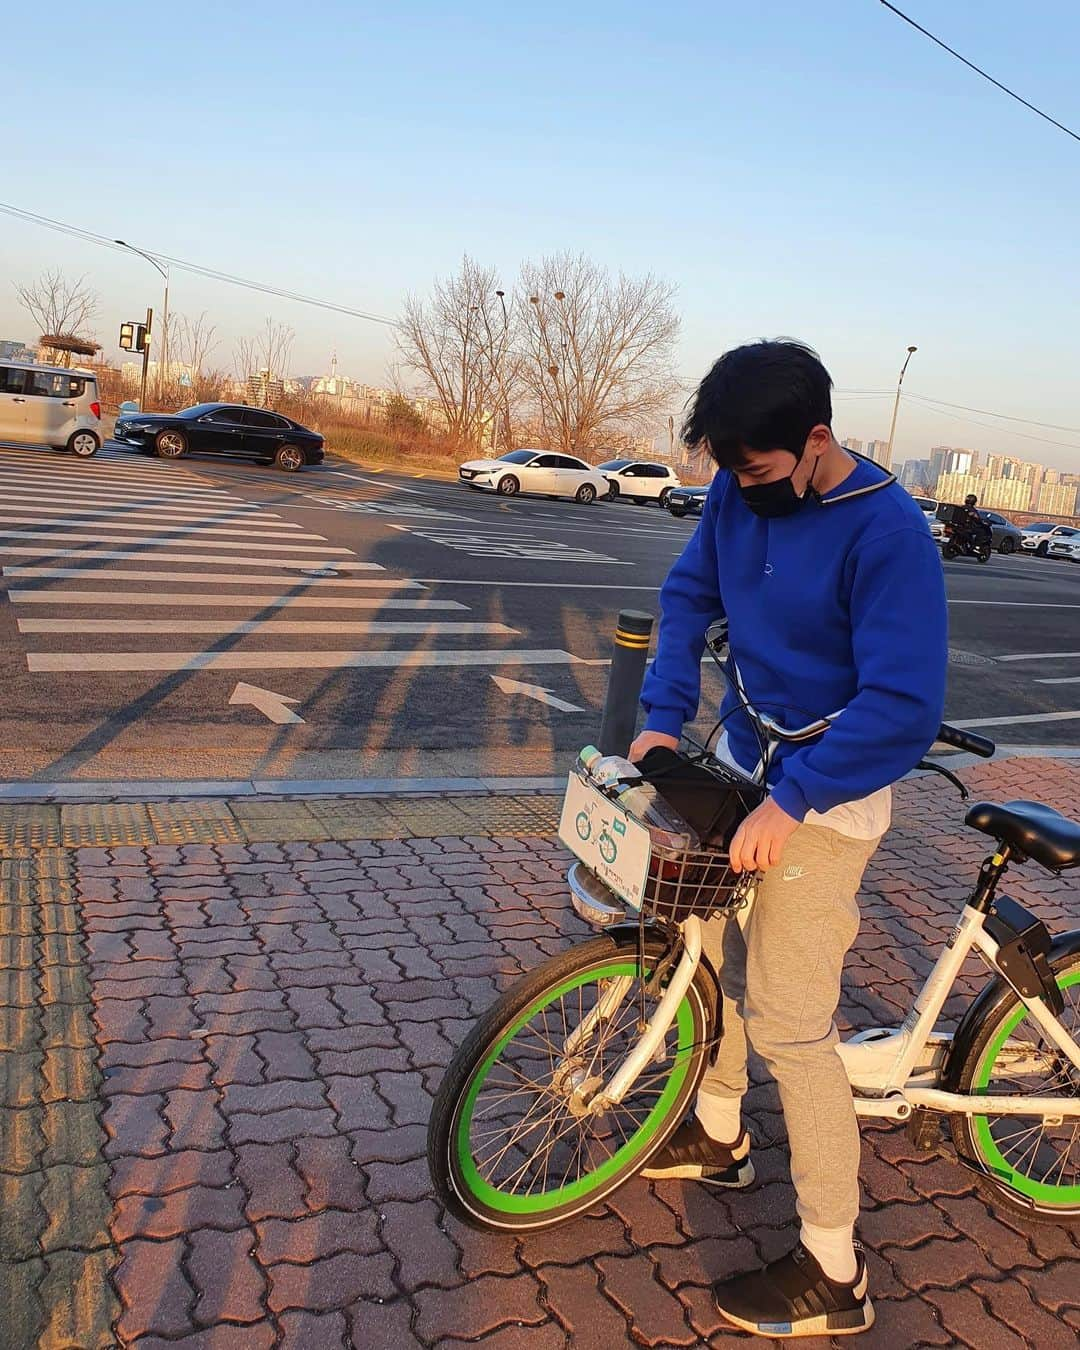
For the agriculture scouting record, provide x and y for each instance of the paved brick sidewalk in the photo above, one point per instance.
(216, 1072)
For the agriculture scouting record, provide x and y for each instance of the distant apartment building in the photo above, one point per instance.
(879, 452)
(1057, 499)
(914, 474)
(852, 444)
(11, 349)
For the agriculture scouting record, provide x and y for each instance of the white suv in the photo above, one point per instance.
(50, 405)
(1038, 537)
(640, 480)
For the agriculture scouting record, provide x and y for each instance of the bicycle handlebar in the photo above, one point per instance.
(966, 740)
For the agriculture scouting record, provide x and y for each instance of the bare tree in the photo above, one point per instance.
(598, 349)
(195, 340)
(459, 343)
(60, 306)
(270, 349)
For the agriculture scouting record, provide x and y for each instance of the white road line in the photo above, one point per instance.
(138, 502)
(1038, 656)
(1017, 604)
(158, 555)
(229, 578)
(1009, 721)
(578, 585)
(156, 599)
(151, 540)
(212, 515)
(267, 627)
(108, 525)
(1064, 679)
(374, 482)
(129, 484)
(78, 663)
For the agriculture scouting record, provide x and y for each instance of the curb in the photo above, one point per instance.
(142, 790)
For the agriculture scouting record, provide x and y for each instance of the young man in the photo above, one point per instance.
(832, 588)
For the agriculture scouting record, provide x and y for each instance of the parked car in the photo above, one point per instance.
(223, 429)
(687, 501)
(1038, 537)
(539, 471)
(640, 480)
(1065, 547)
(929, 506)
(50, 405)
(1007, 536)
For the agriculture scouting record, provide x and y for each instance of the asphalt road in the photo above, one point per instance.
(138, 594)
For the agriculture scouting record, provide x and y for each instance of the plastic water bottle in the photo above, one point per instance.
(640, 798)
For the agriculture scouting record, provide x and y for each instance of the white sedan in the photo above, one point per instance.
(540, 471)
(1039, 537)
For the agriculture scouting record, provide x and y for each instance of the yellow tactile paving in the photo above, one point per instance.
(93, 824)
(200, 821)
(25, 827)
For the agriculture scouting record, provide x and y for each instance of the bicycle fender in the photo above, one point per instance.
(625, 935)
(995, 992)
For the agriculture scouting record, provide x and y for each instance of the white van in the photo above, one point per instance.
(50, 405)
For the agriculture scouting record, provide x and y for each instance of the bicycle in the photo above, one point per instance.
(580, 1072)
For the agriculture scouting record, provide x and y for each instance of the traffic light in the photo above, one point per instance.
(133, 337)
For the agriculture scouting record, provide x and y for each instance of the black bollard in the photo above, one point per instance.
(629, 656)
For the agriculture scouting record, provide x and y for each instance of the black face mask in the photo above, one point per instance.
(773, 500)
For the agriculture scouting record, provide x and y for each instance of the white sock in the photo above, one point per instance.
(833, 1249)
(720, 1117)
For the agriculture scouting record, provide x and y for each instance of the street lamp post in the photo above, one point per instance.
(163, 358)
(896, 408)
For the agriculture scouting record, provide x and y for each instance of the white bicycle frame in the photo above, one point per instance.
(890, 1072)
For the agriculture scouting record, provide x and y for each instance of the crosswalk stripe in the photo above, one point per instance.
(142, 501)
(247, 659)
(95, 511)
(107, 526)
(158, 555)
(267, 627)
(104, 536)
(128, 484)
(45, 488)
(156, 599)
(228, 578)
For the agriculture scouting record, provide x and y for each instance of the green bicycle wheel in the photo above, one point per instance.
(511, 1144)
(1029, 1166)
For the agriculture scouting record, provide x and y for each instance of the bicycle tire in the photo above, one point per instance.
(468, 1197)
(972, 1135)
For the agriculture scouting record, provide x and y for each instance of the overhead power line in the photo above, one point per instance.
(979, 71)
(213, 274)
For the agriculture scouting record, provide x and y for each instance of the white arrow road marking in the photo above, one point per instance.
(267, 702)
(535, 691)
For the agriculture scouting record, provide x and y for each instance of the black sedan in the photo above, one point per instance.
(687, 501)
(222, 429)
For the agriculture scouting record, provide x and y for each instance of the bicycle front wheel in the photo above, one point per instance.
(1030, 1165)
(512, 1145)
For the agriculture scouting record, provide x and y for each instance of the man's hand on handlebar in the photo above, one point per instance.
(759, 841)
(648, 740)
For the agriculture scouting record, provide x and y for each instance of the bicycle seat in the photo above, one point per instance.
(1036, 830)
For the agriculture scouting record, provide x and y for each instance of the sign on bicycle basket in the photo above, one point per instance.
(608, 841)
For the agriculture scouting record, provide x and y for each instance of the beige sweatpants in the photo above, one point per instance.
(780, 973)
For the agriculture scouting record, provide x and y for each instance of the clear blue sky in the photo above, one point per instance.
(816, 170)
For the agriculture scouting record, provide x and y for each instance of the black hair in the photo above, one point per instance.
(768, 395)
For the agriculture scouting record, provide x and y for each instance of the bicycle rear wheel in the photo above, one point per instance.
(510, 1147)
(1028, 1166)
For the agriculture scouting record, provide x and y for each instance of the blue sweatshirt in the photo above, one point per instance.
(841, 605)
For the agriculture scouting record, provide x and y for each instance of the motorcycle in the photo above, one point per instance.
(963, 543)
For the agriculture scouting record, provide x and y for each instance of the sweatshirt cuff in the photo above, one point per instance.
(669, 721)
(789, 798)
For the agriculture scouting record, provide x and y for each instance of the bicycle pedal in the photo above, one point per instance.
(924, 1129)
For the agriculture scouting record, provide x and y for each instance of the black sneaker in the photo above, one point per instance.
(794, 1297)
(691, 1154)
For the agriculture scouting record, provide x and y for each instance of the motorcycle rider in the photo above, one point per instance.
(969, 528)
